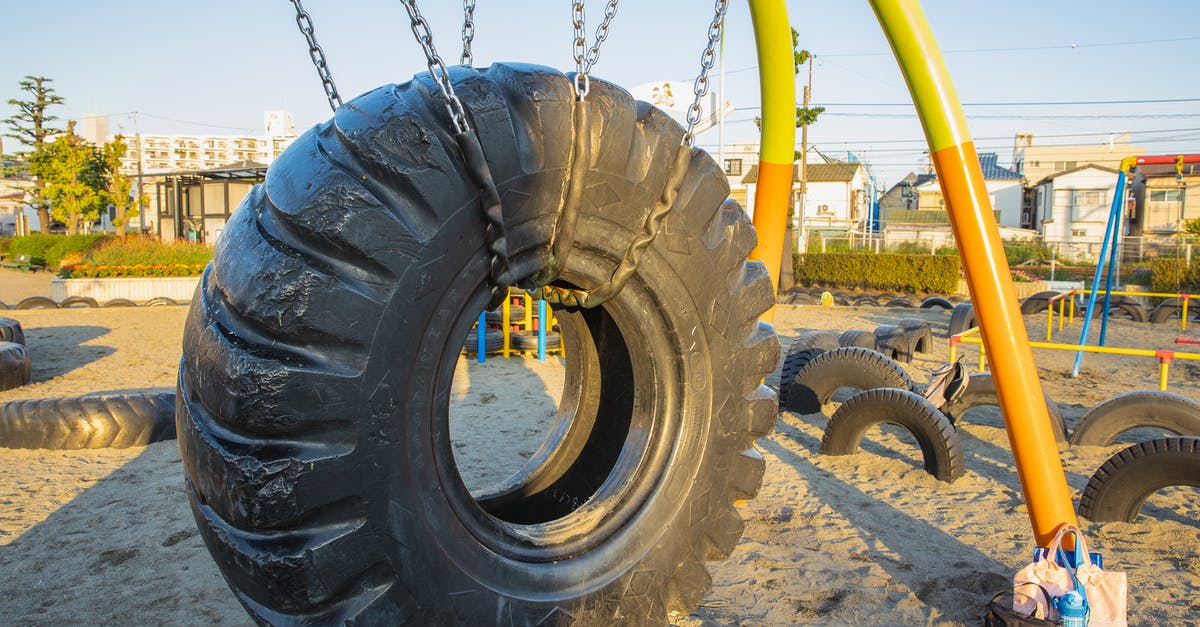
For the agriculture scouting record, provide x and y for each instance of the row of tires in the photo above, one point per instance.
(493, 340)
(931, 413)
(80, 302)
(888, 300)
(962, 317)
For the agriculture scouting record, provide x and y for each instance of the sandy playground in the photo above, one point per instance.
(106, 537)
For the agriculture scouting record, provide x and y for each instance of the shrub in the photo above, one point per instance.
(140, 257)
(51, 248)
(132, 251)
(1174, 275)
(915, 273)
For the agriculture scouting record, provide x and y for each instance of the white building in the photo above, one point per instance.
(1072, 206)
(165, 153)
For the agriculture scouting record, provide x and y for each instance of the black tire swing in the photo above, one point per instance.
(320, 348)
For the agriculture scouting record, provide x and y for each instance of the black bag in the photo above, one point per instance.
(1000, 612)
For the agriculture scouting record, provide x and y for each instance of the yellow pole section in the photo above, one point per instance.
(1005, 340)
(777, 86)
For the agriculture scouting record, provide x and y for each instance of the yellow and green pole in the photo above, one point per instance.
(777, 80)
(1027, 422)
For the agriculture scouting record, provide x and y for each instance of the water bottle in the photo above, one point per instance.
(1072, 609)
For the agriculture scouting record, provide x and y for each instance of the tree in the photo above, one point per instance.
(1192, 227)
(76, 177)
(120, 187)
(32, 126)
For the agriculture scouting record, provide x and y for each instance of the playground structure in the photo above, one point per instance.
(517, 325)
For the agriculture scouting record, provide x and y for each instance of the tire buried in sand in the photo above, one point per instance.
(15, 367)
(940, 445)
(1119, 488)
(372, 218)
(849, 367)
(88, 422)
(981, 390)
(1154, 409)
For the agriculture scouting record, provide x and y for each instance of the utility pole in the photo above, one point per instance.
(137, 138)
(803, 238)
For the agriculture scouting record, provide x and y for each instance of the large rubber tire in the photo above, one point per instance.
(900, 302)
(802, 350)
(866, 301)
(529, 341)
(87, 422)
(1038, 302)
(800, 298)
(936, 302)
(1172, 309)
(849, 367)
(1117, 490)
(493, 341)
(37, 302)
(15, 368)
(920, 335)
(1150, 408)
(319, 354)
(119, 302)
(981, 390)
(1120, 306)
(11, 331)
(857, 337)
(161, 301)
(891, 340)
(78, 302)
(962, 318)
(940, 445)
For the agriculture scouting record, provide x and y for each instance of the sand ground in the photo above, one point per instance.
(106, 537)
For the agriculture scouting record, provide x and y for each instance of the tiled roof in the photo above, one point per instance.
(817, 173)
(1086, 166)
(993, 171)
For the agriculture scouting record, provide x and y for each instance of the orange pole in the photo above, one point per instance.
(1005, 341)
(777, 85)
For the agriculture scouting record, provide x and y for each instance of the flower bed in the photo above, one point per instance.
(90, 271)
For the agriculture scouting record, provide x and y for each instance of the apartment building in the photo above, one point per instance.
(160, 154)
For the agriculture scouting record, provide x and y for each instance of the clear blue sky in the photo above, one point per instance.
(215, 66)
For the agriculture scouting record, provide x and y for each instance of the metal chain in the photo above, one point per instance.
(468, 31)
(585, 58)
(707, 59)
(437, 67)
(304, 21)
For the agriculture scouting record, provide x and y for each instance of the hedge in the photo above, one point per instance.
(51, 248)
(908, 273)
(1174, 275)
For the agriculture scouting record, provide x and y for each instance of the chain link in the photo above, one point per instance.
(707, 59)
(437, 67)
(585, 58)
(304, 21)
(468, 31)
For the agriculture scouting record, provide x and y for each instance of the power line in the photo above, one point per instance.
(1050, 103)
(1107, 44)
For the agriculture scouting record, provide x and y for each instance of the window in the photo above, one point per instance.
(1086, 205)
(1078, 233)
(1064, 165)
(1164, 195)
(733, 167)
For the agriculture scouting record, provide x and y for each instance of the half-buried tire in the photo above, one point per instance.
(15, 368)
(11, 331)
(962, 317)
(802, 350)
(920, 335)
(88, 422)
(981, 390)
(940, 445)
(893, 341)
(1153, 409)
(1119, 488)
(320, 348)
(850, 367)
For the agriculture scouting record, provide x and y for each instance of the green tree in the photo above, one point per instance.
(1192, 227)
(77, 178)
(31, 126)
(120, 187)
